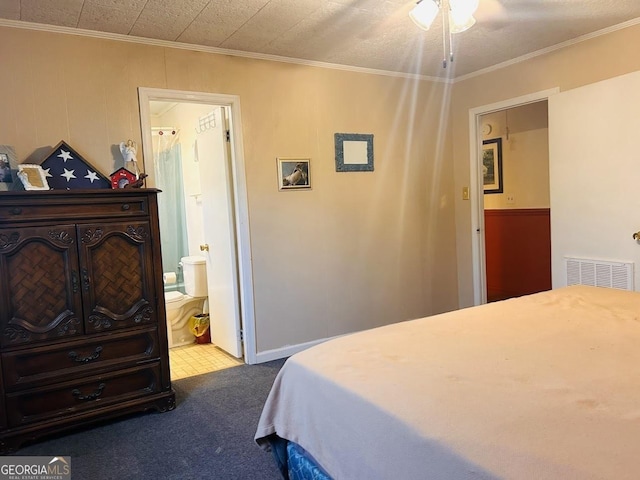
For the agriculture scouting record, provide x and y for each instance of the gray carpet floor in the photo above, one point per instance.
(208, 436)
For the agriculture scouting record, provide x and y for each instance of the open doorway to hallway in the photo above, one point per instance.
(515, 166)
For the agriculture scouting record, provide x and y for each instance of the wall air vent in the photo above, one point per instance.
(599, 273)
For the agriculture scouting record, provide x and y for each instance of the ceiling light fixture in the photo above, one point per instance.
(457, 16)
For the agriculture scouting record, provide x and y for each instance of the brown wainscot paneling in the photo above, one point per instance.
(518, 252)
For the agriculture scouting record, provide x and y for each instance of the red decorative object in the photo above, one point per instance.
(121, 178)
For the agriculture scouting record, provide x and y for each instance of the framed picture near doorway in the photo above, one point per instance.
(293, 173)
(492, 165)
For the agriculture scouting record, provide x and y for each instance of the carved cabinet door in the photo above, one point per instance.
(39, 278)
(116, 271)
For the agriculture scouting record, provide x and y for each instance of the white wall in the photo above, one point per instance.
(594, 145)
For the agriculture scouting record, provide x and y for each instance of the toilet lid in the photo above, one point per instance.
(171, 297)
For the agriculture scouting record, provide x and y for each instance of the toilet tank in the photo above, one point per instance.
(194, 270)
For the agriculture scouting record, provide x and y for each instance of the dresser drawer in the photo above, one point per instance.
(50, 364)
(74, 397)
(62, 209)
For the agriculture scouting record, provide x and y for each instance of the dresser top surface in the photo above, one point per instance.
(25, 194)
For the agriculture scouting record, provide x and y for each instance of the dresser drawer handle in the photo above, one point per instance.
(92, 396)
(85, 280)
(96, 354)
(125, 207)
(15, 211)
(74, 283)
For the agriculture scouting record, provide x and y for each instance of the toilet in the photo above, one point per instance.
(182, 306)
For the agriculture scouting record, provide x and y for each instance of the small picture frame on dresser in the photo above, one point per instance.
(33, 177)
(8, 168)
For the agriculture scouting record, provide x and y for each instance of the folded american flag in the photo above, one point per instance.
(65, 169)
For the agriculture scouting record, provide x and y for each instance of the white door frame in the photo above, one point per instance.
(477, 190)
(241, 212)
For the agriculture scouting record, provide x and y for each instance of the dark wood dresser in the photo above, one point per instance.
(82, 319)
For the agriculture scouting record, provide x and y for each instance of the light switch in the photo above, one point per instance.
(465, 193)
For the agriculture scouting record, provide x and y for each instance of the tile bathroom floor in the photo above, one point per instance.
(196, 359)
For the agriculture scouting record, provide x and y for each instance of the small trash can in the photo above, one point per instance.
(200, 327)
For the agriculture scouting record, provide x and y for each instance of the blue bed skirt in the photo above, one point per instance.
(294, 462)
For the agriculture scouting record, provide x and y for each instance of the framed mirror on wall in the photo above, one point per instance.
(354, 152)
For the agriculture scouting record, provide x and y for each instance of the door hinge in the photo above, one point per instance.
(241, 335)
(228, 136)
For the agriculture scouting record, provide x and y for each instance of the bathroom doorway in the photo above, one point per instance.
(193, 152)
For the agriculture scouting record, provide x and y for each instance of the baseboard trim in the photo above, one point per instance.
(287, 351)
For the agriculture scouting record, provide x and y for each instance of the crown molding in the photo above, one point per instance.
(215, 50)
(553, 48)
(310, 63)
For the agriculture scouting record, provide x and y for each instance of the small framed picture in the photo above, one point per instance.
(492, 165)
(294, 173)
(8, 168)
(33, 177)
(354, 152)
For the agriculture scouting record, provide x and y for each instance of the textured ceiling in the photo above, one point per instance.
(364, 33)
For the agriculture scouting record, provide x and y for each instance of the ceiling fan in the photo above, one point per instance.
(457, 17)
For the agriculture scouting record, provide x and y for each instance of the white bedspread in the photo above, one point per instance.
(545, 386)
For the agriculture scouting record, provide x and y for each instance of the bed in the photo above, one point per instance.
(545, 386)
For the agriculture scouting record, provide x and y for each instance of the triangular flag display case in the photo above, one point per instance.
(65, 169)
